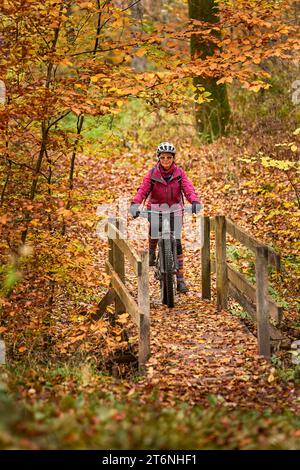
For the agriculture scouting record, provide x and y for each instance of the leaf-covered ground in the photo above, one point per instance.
(205, 381)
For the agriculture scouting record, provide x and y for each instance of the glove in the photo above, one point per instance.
(134, 210)
(196, 207)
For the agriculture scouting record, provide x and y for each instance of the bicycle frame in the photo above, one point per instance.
(165, 234)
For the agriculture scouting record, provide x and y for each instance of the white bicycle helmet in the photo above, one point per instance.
(165, 147)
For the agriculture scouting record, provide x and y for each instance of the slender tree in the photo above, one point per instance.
(212, 117)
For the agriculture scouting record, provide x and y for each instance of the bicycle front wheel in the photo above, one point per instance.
(167, 281)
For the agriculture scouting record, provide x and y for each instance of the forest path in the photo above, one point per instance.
(198, 354)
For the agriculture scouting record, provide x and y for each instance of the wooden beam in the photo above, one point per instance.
(205, 260)
(144, 312)
(239, 281)
(123, 294)
(221, 265)
(252, 243)
(119, 267)
(108, 299)
(275, 334)
(263, 333)
(130, 253)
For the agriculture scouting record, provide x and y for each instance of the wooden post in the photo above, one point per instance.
(263, 330)
(221, 266)
(144, 312)
(110, 242)
(119, 267)
(205, 260)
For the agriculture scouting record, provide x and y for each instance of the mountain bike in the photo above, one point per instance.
(166, 262)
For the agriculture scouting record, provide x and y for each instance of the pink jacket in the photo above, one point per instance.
(165, 192)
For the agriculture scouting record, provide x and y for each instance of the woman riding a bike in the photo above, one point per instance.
(165, 183)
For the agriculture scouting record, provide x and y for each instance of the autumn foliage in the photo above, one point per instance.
(86, 91)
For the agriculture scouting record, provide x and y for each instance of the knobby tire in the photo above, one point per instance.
(168, 285)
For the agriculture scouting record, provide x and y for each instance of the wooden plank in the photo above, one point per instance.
(205, 260)
(119, 267)
(221, 265)
(239, 281)
(263, 333)
(144, 312)
(275, 334)
(252, 243)
(120, 289)
(108, 299)
(212, 223)
(129, 252)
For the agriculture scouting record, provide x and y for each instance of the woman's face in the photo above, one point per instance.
(166, 159)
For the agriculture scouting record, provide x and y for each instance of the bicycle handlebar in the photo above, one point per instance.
(145, 213)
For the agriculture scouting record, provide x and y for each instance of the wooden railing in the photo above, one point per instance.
(119, 294)
(231, 283)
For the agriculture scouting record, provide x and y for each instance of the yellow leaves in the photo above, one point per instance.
(2, 329)
(285, 165)
(256, 87)
(294, 148)
(256, 60)
(245, 378)
(272, 376)
(22, 349)
(65, 61)
(34, 223)
(97, 77)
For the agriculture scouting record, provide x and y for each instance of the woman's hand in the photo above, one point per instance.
(134, 210)
(196, 207)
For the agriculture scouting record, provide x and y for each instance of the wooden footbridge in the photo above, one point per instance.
(265, 313)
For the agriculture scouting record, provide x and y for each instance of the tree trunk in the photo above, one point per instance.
(137, 10)
(153, 9)
(211, 117)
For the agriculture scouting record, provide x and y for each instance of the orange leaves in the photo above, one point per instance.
(224, 80)
(74, 339)
(123, 318)
(99, 327)
(4, 219)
